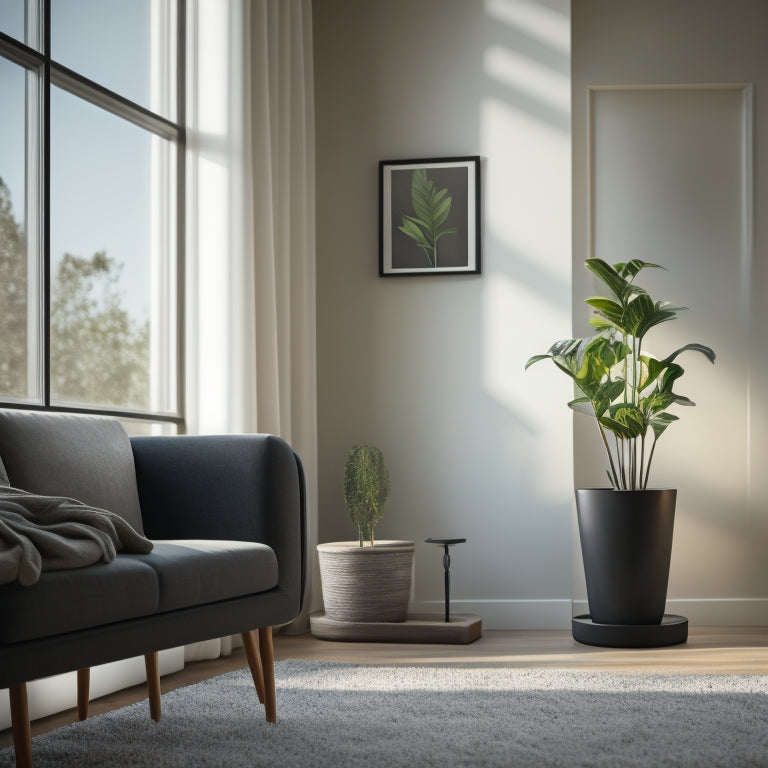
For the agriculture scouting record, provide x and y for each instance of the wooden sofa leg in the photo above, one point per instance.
(22, 734)
(254, 662)
(268, 667)
(153, 685)
(83, 692)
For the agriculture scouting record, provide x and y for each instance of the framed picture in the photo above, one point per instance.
(429, 216)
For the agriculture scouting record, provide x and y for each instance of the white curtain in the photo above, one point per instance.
(250, 239)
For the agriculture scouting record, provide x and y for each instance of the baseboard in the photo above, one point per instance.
(49, 695)
(711, 612)
(508, 614)
(556, 614)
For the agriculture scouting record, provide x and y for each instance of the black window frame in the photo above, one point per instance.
(52, 73)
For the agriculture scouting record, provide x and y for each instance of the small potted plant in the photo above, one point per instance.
(625, 530)
(366, 489)
(366, 580)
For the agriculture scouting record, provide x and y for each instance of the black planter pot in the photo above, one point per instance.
(626, 545)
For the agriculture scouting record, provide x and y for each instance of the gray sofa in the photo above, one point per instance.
(226, 516)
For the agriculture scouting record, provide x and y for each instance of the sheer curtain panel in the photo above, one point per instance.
(250, 235)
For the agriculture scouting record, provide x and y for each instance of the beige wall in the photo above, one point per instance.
(669, 166)
(431, 369)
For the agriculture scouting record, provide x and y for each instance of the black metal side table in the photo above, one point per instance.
(445, 543)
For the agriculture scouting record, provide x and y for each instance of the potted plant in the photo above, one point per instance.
(625, 530)
(366, 580)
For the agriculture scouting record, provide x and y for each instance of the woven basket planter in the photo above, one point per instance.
(366, 583)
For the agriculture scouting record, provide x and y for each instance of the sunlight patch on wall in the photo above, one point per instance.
(546, 25)
(528, 198)
(519, 322)
(535, 80)
(527, 210)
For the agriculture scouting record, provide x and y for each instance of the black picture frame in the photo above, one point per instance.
(446, 192)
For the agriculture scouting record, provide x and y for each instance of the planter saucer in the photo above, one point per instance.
(463, 628)
(673, 630)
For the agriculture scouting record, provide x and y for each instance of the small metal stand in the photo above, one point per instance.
(447, 566)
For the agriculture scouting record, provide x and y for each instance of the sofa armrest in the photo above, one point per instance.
(236, 487)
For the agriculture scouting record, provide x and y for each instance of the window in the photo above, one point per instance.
(91, 206)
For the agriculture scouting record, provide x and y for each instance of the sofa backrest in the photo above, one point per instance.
(88, 458)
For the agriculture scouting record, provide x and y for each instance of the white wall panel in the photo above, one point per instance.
(669, 164)
(670, 183)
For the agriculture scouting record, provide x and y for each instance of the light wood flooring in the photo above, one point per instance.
(720, 650)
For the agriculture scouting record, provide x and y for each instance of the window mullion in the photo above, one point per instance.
(33, 227)
(46, 202)
(102, 97)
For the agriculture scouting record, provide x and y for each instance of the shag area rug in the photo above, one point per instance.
(342, 715)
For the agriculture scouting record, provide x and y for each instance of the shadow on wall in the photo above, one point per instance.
(505, 437)
(431, 369)
(524, 118)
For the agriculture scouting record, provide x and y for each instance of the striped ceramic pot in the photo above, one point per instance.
(368, 583)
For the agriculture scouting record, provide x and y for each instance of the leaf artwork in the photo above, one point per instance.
(626, 391)
(432, 207)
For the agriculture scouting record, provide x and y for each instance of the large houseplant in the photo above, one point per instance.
(625, 530)
(366, 580)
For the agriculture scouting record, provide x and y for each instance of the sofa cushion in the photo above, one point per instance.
(195, 571)
(88, 458)
(65, 601)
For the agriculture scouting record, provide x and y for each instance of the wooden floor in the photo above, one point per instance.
(716, 650)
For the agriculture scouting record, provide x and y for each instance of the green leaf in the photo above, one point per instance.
(617, 427)
(410, 228)
(536, 359)
(605, 394)
(432, 207)
(582, 405)
(626, 420)
(617, 285)
(656, 402)
(607, 308)
(660, 422)
(672, 372)
(422, 209)
(441, 211)
(637, 314)
(421, 193)
(632, 268)
(444, 232)
(440, 195)
(606, 352)
(601, 325)
(706, 351)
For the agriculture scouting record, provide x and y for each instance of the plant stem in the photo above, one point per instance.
(614, 478)
(622, 450)
(650, 459)
(638, 475)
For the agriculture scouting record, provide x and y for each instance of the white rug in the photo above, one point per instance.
(366, 716)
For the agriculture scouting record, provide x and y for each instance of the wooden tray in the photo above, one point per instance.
(463, 628)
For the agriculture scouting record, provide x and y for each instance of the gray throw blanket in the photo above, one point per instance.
(50, 533)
